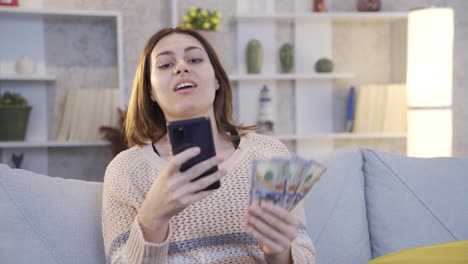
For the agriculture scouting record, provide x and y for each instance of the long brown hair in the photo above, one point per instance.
(145, 119)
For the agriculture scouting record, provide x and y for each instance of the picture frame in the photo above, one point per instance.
(8, 2)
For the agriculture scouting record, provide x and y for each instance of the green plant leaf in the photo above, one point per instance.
(12, 98)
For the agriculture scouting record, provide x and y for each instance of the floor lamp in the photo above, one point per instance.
(429, 82)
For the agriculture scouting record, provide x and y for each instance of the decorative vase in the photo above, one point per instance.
(25, 65)
(13, 122)
(324, 65)
(368, 5)
(319, 6)
(286, 57)
(254, 56)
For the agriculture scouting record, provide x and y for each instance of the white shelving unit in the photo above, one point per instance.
(342, 136)
(25, 28)
(28, 78)
(52, 144)
(314, 133)
(59, 12)
(335, 16)
(290, 76)
(116, 16)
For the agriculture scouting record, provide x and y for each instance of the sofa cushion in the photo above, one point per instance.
(452, 252)
(413, 202)
(336, 213)
(49, 220)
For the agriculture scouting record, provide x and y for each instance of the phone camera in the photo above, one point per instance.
(178, 133)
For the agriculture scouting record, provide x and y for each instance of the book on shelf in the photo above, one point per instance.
(395, 117)
(350, 108)
(65, 118)
(85, 111)
(381, 108)
(75, 116)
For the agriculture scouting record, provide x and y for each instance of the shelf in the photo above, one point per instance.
(28, 77)
(335, 16)
(342, 136)
(290, 76)
(52, 144)
(58, 12)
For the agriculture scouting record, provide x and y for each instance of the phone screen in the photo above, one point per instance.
(184, 134)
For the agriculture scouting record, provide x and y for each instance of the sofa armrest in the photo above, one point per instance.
(49, 220)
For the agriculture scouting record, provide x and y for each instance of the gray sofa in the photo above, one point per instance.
(372, 203)
(367, 204)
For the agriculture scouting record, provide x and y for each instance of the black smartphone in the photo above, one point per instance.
(184, 134)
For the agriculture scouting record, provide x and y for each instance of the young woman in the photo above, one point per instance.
(152, 212)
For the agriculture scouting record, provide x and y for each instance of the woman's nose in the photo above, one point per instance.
(181, 67)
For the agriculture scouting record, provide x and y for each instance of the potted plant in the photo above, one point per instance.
(14, 116)
(206, 22)
(199, 19)
(115, 135)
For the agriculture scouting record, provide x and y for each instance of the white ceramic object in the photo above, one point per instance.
(25, 65)
(7, 67)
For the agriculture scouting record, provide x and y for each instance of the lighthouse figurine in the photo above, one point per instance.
(265, 112)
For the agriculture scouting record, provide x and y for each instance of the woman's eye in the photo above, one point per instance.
(196, 60)
(165, 66)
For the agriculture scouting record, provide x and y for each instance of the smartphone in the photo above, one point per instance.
(184, 134)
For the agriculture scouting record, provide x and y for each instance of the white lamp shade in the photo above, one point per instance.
(430, 56)
(430, 133)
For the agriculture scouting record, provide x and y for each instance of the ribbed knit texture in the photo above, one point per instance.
(209, 231)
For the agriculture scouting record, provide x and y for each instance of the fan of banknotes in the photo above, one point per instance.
(283, 182)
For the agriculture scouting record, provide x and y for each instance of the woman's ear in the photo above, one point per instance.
(217, 84)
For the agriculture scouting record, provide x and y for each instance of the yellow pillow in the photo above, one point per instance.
(450, 253)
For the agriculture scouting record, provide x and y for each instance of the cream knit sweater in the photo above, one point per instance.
(209, 231)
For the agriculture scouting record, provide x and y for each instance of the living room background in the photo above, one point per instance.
(142, 18)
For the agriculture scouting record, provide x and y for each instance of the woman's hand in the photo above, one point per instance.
(173, 191)
(275, 229)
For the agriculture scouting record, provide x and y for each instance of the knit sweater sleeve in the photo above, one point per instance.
(123, 237)
(302, 249)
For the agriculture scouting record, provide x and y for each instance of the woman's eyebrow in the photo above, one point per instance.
(187, 49)
(164, 53)
(191, 48)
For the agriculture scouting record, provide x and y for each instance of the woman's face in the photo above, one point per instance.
(182, 78)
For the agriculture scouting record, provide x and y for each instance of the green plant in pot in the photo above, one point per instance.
(254, 56)
(286, 57)
(324, 65)
(14, 116)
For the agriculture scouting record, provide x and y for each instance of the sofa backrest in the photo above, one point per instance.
(413, 202)
(336, 211)
(371, 203)
(49, 220)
